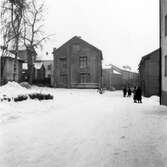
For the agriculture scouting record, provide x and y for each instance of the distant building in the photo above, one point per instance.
(7, 69)
(23, 55)
(77, 64)
(149, 71)
(48, 64)
(112, 80)
(163, 47)
(116, 78)
(39, 72)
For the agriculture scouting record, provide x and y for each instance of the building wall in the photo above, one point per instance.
(119, 80)
(48, 67)
(7, 69)
(67, 71)
(163, 40)
(23, 55)
(112, 81)
(48, 64)
(149, 74)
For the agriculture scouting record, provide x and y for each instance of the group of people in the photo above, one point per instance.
(127, 92)
(137, 93)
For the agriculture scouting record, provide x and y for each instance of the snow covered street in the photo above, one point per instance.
(82, 128)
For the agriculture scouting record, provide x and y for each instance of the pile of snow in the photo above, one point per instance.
(155, 98)
(152, 100)
(12, 89)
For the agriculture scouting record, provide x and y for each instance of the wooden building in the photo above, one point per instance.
(7, 70)
(163, 51)
(77, 64)
(38, 72)
(149, 71)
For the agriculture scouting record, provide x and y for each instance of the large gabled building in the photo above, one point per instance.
(149, 72)
(163, 47)
(77, 64)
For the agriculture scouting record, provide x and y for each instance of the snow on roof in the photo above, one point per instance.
(116, 72)
(7, 54)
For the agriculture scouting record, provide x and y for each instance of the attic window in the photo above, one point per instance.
(76, 48)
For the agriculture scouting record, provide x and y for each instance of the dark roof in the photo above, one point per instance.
(148, 56)
(85, 42)
(10, 58)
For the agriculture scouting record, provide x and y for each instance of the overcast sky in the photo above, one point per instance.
(125, 30)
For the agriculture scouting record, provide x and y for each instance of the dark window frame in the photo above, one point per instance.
(63, 63)
(84, 77)
(165, 25)
(165, 65)
(63, 78)
(83, 61)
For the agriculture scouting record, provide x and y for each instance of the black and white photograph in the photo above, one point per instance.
(83, 83)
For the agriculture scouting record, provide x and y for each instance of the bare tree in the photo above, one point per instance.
(33, 35)
(11, 21)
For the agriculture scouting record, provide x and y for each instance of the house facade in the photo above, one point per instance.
(7, 70)
(149, 71)
(38, 72)
(163, 47)
(77, 64)
(112, 80)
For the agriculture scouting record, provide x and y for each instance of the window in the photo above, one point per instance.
(63, 78)
(84, 77)
(166, 25)
(165, 65)
(75, 48)
(63, 63)
(49, 67)
(83, 61)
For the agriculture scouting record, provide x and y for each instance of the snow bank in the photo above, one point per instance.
(155, 98)
(12, 89)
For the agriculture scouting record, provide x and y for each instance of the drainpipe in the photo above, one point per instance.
(160, 54)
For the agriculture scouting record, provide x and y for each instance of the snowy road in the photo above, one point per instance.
(82, 128)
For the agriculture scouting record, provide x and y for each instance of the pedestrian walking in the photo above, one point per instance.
(129, 92)
(134, 95)
(139, 95)
(124, 92)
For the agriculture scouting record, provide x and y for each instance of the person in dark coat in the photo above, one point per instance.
(134, 95)
(129, 92)
(139, 95)
(124, 91)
